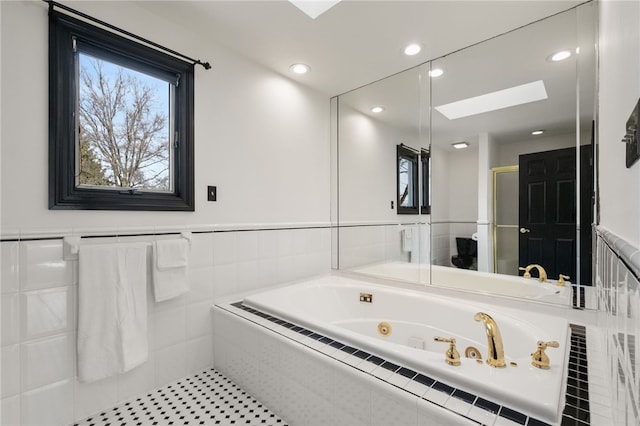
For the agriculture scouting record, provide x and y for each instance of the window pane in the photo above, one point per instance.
(124, 127)
(406, 183)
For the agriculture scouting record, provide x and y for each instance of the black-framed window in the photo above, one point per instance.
(425, 161)
(407, 180)
(120, 122)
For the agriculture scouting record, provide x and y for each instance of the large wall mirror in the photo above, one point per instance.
(508, 132)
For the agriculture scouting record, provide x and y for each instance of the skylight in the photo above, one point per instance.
(500, 99)
(314, 8)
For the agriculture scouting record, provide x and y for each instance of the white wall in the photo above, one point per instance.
(619, 90)
(367, 167)
(508, 153)
(261, 138)
(463, 185)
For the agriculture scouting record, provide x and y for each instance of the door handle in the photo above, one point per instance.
(524, 230)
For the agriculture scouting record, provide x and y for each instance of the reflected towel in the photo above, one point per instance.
(169, 270)
(406, 239)
(112, 309)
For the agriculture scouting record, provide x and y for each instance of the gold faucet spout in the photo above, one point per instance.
(495, 356)
(542, 274)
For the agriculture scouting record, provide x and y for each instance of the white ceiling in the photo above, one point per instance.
(354, 42)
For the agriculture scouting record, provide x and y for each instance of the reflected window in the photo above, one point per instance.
(407, 171)
(425, 160)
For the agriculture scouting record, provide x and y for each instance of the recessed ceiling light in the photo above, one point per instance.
(412, 49)
(560, 56)
(460, 145)
(377, 109)
(300, 68)
(537, 132)
(505, 98)
(436, 72)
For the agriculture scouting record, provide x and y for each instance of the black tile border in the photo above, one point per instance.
(578, 347)
(576, 410)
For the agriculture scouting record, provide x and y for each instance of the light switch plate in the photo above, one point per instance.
(212, 193)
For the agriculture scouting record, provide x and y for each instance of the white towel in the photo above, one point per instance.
(406, 239)
(112, 309)
(170, 268)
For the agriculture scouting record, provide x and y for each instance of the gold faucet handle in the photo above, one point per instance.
(561, 279)
(452, 356)
(539, 358)
(526, 274)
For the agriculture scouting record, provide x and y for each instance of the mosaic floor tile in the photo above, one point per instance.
(206, 398)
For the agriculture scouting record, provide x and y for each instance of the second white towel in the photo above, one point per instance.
(170, 268)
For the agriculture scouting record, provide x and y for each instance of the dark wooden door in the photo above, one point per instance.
(547, 210)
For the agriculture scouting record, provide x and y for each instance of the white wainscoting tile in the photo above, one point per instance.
(224, 248)
(10, 319)
(49, 405)
(90, 398)
(199, 354)
(247, 246)
(224, 280)
(137, 381)
(199, 320)
(268, 244)
(47, 361)
(170, 327)
(201, 250)
(46, 311)
(9, 263)
(10, 371)
(171, 364)
(42, 266)
(268, 271)
(10, 411)
(200, 280)
(248, 277)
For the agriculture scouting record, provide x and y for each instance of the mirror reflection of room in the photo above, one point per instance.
(482, 114)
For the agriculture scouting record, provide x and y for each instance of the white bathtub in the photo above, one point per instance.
(463, 279)
(331, 306)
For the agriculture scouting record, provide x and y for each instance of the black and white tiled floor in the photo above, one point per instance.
(206, 398)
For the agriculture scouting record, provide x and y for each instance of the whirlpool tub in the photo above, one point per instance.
(399, 325)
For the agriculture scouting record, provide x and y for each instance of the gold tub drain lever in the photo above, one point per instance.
(451, 356)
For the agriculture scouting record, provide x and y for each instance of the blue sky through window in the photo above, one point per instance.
(153, 171)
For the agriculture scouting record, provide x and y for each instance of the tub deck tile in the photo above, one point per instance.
(367, 366)
(353, 360)
(382, 373)
(328, 350)
(416, 388)
(503, 421)
(399, 380)
(480, 415)
(458, 405)
(436, 396)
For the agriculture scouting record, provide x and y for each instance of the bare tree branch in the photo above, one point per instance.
(120, 121)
